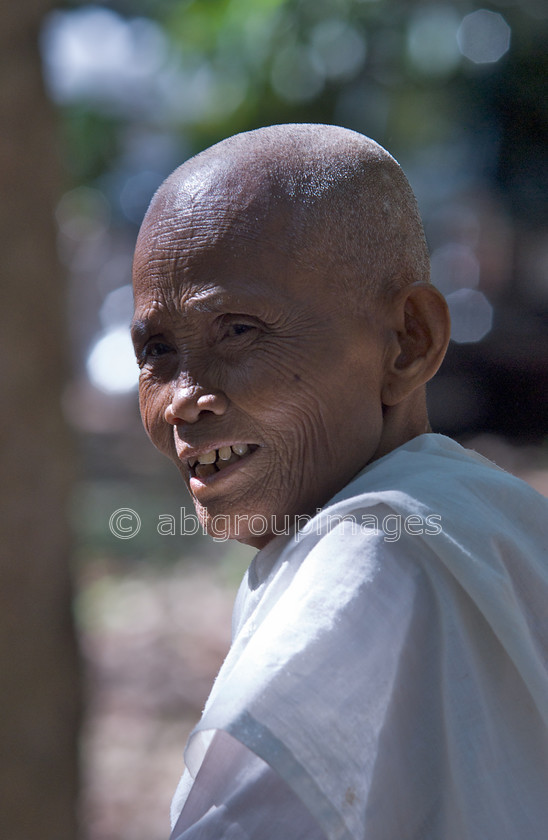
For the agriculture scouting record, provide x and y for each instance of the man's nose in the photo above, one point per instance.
(190, 400)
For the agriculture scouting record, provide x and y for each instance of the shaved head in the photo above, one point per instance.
(284, 323)
(336, 198)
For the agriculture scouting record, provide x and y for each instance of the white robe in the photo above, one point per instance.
(396, 680)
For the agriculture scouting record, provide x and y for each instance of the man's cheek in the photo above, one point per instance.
(288, 465)
(158, 430)
(298, 427)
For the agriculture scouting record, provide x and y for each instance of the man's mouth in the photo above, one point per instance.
(215, 460)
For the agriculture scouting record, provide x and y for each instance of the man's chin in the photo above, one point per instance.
(250, 529)
(254, 529)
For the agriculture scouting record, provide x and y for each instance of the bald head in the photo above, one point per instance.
(279, 314)
(334, 199)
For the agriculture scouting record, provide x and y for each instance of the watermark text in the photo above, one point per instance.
(125, 523)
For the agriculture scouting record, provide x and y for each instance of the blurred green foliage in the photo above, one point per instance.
(272, 61)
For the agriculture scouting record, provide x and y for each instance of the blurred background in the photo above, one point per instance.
(114, 619)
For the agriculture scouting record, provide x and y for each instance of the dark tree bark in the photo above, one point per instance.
(39, 697)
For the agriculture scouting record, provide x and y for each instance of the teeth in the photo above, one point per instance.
(226, 455)
(208, 457)
(202, 470)
(232, 460)
(240, 448)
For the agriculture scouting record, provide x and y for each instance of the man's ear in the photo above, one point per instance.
(418, 318)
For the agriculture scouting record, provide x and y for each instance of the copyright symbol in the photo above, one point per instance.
(124, 523)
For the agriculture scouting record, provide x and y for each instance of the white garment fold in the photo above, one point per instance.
(400, 686)
(237, 796)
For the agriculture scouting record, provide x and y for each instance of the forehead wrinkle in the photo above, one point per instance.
(190, 226)
(179, 247)
(218, 201)
(178, 265)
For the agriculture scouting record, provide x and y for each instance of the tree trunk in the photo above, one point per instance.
(40, 697)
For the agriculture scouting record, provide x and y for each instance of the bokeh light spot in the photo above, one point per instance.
(94, 54)
(111, 364)
(340, 48)
(471, 315)
(454, 267)
(483, 36)
(431, 40)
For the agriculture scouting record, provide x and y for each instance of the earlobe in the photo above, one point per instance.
(421, 330)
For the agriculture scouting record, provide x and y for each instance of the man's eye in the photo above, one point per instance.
(235, 330)
(155, 349)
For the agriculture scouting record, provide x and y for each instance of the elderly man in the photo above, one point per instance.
(387, 677)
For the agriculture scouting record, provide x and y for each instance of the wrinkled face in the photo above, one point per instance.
(257, 379)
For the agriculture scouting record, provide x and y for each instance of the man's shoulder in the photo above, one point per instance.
(434, 472)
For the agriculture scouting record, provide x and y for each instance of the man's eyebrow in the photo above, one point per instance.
(208, 301)
(215, 301)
